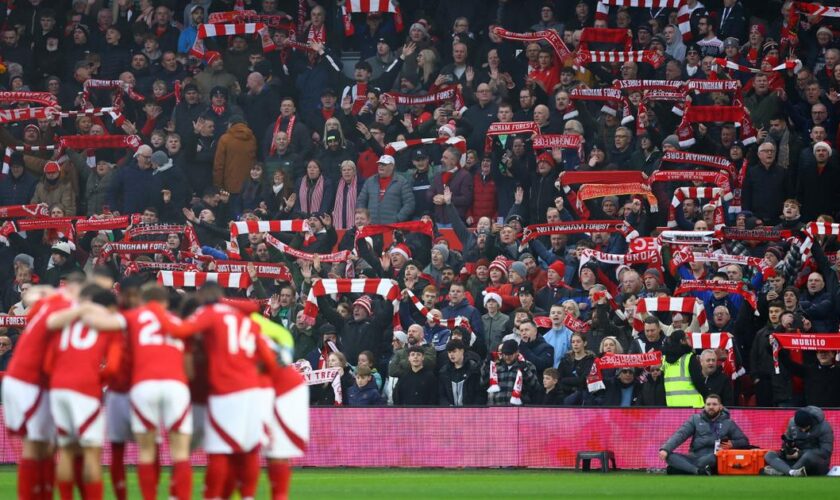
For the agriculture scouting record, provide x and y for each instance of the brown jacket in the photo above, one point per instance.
(235, 155)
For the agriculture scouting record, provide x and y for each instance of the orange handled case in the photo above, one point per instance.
(740, 462)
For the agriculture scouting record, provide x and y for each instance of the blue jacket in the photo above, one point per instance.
(132, 189)
(364, 396)
(438, 336)
(466, 310)
(820, 310)
(17, 191)
(539, 352)
(559, 340)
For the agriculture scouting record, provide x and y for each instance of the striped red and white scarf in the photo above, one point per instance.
(310, 197)
(602, 11)
(726, 259)
(712, 194)
(816, 9)
(723, 341)
(334, 257)
(42, 98)
(675, 86)
(395, 147)
(343, 214)
(690, 238)
(685, 305)
(595, 381)
(107, 224)
(196, 279)
(651, 256)
(387, 289)
(651, 57)
(227, 29)
(238, 228)
(273, 21)
(456, 322)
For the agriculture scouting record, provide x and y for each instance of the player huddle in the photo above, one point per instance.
(217, 377)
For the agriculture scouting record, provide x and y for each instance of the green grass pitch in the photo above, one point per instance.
(370, 484)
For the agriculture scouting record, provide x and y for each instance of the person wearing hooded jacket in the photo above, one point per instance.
(235, 154)
(682, 372)
(809, 443)
(708, 430)
(459, 378)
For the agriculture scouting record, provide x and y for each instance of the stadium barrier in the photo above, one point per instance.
(536, 437)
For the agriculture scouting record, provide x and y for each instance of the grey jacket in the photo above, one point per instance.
(396, 205)
(704, 432)
(495, 329)
(819, 438)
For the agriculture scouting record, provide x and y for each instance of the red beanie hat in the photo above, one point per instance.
(559, 267)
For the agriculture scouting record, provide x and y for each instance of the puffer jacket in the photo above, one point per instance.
(704, 431)
(819, 437)
(484, 198)
(397, 204)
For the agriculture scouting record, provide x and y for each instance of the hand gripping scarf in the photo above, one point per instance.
(264, 269)
(458, 321)
(802, 342)
(721, 341)
(214, 30)
(264, 226)
(685, 305)
(387, 289)
(602, 11)
(422, 227)
(683, 193)
(395, 147)
(508, 128)
(593, 226)
(592, 191)
(728, 286)
(651, 57)
(444, 94)
(20, 211)
(550, 36)
(651, 256)
(334, 257)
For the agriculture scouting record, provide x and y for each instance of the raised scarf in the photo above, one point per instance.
(387, 289)
(728, 286)
(594, 226)
(195, 279)
(508, 128)
(549, 36)
(595, 381)
(685, 305)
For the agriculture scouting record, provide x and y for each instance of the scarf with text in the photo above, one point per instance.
(716, 163)
(387, 289)
(107, 223)
(720, 179)
(134, 248)
(273, 21)
(196, 279)
(549, 36)
(42, 98)
(422, 227)
(573, 324)
(334, 257)
(16, 211)
(14, 115)
(558, 141)
(802, 342)
(651, 257)
(445, 94)
(684, 305)
(275, 271)
(508, 128)
(190, 240)
(16, 322)
(593, 226)
(764, 234)
(816, 9)
(595, 381)
(728, 286)
(592, 191)
(138, 266)
(119, 88)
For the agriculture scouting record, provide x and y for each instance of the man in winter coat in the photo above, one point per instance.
(542, 192)
(534, 348)
(708, 430)
(459, 306)
(366, 331)
(457, 180)
(18, 187)
(817, 304)
(418, 386)
(817, 183)
(132, 187)
(235, 154)
(808, 444)
(172, 190)
(459, 379)
(716, 381)
(388, 197)
(766, 186)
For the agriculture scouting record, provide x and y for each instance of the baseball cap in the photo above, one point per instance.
(386, 160)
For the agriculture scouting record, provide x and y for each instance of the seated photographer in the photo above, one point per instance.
(806, 448)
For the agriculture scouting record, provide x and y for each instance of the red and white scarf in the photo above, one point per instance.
(685, 305)
(602, 11)
(670, 86)
(134, 248)
(13, 115)
(557, 141)
(107, 224)
(120, 87)
(573, 324)
(213, 30)
(422, 227)
(721, 341)
(262, 226)
(709, 161)
(387, 289)
(189, 241)
(310, 197)
(273, 21)
(802, 342)
(508, 128)
(444, 94)
(367, 6)
(651, 256)
(290, 127)
(275, 271)
(456, 322)
(699, 114)
(16, 211)
(813, 230)
(728, 286)
(135, 267)
(593, 226)
(816, 9)
(334, 257)
(395, 147)
(651, 57)
(690, 238)
(595, 381)
(712, 194)
(42, 98)
(345, 206)
(13, 321)
(615, 36)
(195, 279)
(790, 64)
(549, 36)
(592, 191)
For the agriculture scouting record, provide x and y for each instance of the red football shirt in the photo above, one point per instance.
(155, 355)
(76, 358)
(28, 360)
(233, 344)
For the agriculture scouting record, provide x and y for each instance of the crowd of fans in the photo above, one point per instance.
(245, 134)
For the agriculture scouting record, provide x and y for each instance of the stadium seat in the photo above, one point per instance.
(606, 458)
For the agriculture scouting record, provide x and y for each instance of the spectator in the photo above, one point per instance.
(459, 377)
(679, 361)
(716, 381)
(574, 368)
(17, 188)
(508, 368)
(55, 190)
(417, 386)
(653, 388)
(5, 351)
(364, 391)
(388, 198)
(551, 395)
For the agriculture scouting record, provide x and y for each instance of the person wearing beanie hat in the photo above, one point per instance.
(807, 446)
(498, 270)
(55, 189)
(63, 263)
(671, 143)
(520, 269)
(236, 151)
(652, 279)
(439, 258)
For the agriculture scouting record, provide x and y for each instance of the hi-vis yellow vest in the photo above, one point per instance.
(679, 391)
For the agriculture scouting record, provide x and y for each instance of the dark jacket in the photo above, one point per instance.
(467, 379)
(819, 437)
(653, 392)
(17, 191)
(613, 394)
(416, 388)
(765, 190)
(818, 192)
(461, 185)
(539, 352)
(704, 431)
(131, 189)
(364, 396)
(466, 310)
(573, 372)
(372, 334)
(821, 382)
(721, 384)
